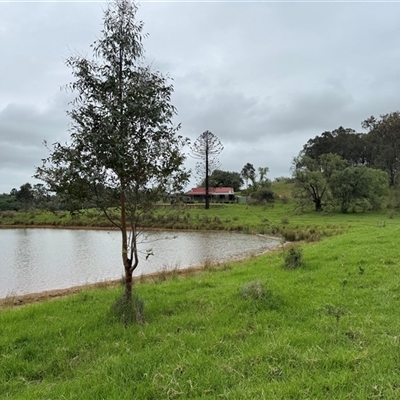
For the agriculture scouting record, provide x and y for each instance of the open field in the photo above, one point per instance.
(328, 330)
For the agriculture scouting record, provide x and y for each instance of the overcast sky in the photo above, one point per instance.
(263, 76)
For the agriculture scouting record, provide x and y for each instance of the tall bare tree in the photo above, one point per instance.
(206, 148)
(124, 150)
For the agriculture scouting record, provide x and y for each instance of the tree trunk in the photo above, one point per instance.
(125, 257)
(128, 285)
(207, 181)
(318, 205)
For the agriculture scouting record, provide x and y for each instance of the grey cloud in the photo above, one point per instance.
(316, 110)
(264, 77)
(23, 128)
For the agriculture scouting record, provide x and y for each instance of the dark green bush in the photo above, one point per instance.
(263, 195)
(293, 258)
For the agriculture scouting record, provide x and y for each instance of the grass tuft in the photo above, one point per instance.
(128, 311)
(254, 290)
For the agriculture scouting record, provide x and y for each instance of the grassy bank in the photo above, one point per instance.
(279, 219)
(329, 329)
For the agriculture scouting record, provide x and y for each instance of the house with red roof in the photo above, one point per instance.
(216, 194)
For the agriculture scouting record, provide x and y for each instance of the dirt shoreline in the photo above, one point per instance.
(20, 300)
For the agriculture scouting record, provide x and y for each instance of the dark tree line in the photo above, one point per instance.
(28, 196)
(38, 196)
(378, 148)
(220, 178)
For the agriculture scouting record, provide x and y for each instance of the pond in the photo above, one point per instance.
(36, 260)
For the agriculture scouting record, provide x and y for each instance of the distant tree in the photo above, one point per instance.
(263, 181)
(313, 177)
(41, 195)
(358, 185)
(124, 149)
(206, 148)
(219, 178)
(25, 196)
(347, 143)
(7, 202)
(248, 173)
(258, 179)
(384, 136)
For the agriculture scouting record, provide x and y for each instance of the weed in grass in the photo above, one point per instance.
(275, 373)
(391, 214)
(289, 234)
(293, 258)
(253, 290)
(284, 199)
(209, 266)
(381, 224)
(335, 311)
(285, 220)
(128, 311)
(226, 267)
(162, 274)
(258, 297)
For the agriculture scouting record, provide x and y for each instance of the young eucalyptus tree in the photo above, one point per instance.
(206, 148)
(124, 150)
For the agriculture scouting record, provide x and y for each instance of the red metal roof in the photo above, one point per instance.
(199, 191)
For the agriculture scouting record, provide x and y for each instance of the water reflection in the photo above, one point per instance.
(34, 260)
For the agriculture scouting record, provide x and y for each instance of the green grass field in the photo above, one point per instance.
(327, 330)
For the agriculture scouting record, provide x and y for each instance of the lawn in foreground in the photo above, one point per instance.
(327, 330)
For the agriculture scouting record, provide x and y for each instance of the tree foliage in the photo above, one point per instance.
(258, 179)
(358, 185)
(332, 180)
(313, 176)
(248, 173)
(219, 178)
(25, 196)
(124, 150)
(378, 148)
(206, 148)
(347, 143)
(384, 135)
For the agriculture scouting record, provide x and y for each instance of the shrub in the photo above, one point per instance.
(284, 199)
(263, 195)
(285, 220)
(391, 214)
(254, 290)
(128, 312)
(293, 258)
